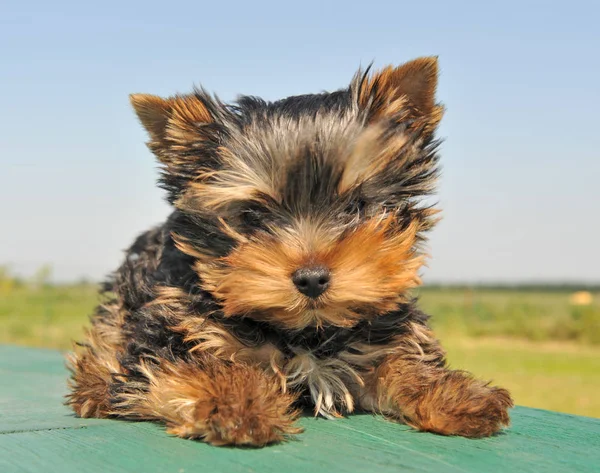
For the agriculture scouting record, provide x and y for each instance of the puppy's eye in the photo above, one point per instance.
(356, 206)
(253, 218)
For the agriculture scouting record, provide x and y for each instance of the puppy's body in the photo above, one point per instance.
(282, 276)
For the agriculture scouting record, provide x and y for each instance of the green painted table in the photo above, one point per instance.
(38, 434)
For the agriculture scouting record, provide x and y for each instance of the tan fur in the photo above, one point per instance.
(239, 181)
(417, 345)
(414, 386)
(173, 124)
(371, 268)
(372, 152)
(415, 82)
(94, 366)
(153, 112)
(208, 337)
(236, 404)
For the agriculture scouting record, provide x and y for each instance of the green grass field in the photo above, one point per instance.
(536, 343)
(535, 315)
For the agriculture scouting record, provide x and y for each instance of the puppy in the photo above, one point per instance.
(283, 276)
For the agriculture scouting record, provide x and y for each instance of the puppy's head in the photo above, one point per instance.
(306, 211)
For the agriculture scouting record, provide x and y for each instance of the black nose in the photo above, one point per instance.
(311, 282)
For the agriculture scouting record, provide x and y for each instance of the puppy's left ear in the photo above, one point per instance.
(406, 92)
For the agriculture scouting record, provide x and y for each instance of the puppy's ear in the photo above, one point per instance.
(172, 121)
(406, 92)
(184, 135)
(153, 113)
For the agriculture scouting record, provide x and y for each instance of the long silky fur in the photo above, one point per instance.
(202, 328)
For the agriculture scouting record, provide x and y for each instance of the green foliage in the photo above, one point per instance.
(42, 276)
(535, 315)
(37, 313)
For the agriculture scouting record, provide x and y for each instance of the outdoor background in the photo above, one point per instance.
(514, 279)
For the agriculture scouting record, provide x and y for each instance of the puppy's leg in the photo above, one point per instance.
(222, 404)
(92, 371)
(414, 385)
(94, 366)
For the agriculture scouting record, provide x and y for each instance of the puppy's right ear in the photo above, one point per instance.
(173, 121)
(184, 135)
(153, 112)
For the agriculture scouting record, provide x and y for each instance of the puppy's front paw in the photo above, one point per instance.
(460, 405)
(248, 425)
(242, 406)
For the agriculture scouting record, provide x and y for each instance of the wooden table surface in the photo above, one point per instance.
(39, 434)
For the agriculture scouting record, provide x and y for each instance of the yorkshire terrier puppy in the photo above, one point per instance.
(283, 276)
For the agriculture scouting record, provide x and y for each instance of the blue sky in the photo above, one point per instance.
(520, 81)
